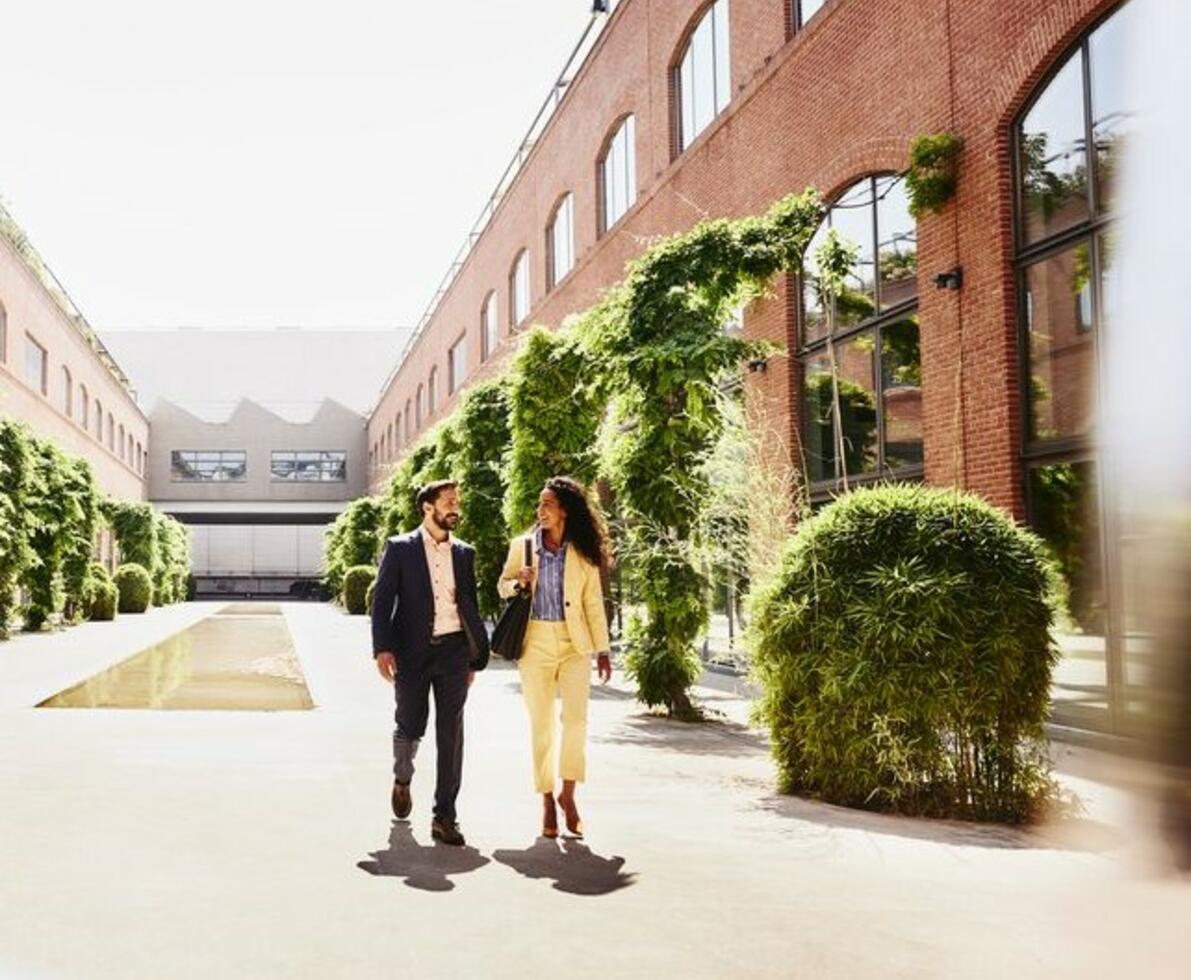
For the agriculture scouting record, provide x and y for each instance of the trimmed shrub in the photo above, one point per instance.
(135, 587)
(904, 650)
(355, 588)
(15, 478)
(104, 600)
(368, 597)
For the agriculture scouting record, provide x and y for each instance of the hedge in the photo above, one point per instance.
(135, 587)
(355, 588)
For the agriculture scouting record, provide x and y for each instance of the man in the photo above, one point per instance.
(427, 634)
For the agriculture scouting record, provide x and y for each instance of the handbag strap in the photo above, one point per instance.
(528, 551)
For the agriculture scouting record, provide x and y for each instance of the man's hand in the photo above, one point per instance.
(386, 663)
(604, 668)
(471, 676)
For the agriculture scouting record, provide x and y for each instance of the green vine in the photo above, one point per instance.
(15, 553)
(934, 164)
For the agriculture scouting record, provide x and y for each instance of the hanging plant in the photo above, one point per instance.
(931, 179)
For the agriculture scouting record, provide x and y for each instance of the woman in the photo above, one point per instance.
(567, 625)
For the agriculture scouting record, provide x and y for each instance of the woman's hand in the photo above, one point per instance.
(525, 577)
(604, 667)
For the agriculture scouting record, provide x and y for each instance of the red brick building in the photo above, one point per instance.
(684, 109)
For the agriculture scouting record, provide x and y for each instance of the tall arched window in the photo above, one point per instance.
(703, 78)
(1068, 144)
(560, 241)
(519, 289)
(861, 350)
(84, 407)
(489, 327)
(420, 408)
(389, 444)
(120, 442)
(432, 390)
(397, 441)
(67, 392)
(3, 334)
(99, 420)
(410, 429)
(802, 11)
(618, 174)
(111, 433)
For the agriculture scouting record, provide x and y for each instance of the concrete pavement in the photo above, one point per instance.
(260, 844)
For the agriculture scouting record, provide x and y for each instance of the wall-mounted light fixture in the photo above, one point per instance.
(599, 6)
(950, 280)
(758, 364)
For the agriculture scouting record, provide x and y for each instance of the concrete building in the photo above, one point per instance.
(256, 490)
(970, 358)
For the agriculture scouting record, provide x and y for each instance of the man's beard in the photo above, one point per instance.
(444, 522)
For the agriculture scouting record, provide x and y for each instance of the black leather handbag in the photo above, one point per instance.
(509, 635)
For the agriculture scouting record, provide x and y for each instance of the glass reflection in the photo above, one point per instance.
(1059, 341)
(897, 244)
(901, 394)
(1064, 512)
(1052, 158)
(818, 431)
(1112, 118)
(203, 466)
(852, 218)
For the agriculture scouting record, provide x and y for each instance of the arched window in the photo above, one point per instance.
(397, 443)
(410, 429)
(84, 407)
(67, 392)
(111, 433)
(131, 444)
(489, 327)
(1068, 143)
(420, 408)
(519, 289)
(560, 241)
(120, 442)
(3, 334)
(618, 174)
(703, 78)
(433, 392)
(140, 458)
(99, 420)
(861, 351)
(390, 446)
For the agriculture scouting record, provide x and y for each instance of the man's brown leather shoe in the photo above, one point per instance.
(446, 831)
(402, 801)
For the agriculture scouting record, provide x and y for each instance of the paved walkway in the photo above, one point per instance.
(252, 844)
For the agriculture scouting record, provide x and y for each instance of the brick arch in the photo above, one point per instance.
(879, 154)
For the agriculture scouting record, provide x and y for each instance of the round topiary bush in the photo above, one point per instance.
(368, 597)
(355, 588)
(104, 599)
(905, 655)
(135, 587)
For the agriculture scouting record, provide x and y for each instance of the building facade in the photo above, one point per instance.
(257, 491)
(966, 349)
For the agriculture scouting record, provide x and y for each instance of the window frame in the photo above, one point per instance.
(824, 489)
(43, 386)
(489, 323)
(682, 141)
(604, 223)
(176, 453)
(455, 383)
(555, 275)
(518, 270)
(336, 457)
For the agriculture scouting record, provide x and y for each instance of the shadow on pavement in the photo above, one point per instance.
(571, 864)
(424, 866)
(1067, 834)
(724, 738)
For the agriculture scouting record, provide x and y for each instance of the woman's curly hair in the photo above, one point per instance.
(587, 529)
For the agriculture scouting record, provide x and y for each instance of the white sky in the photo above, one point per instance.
(255, 163)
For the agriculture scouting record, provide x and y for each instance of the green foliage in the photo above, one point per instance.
(80, 529)
(400, 510)
(368, 597)
(555, 411)
(15, 553)
(353, 539)
(663, 356)
(135, 586)
(103, 601)
(905, 655)
(135, 528)
(355, 588)
(931, 179)
(484, 439)
(173, 567)
(49, 512)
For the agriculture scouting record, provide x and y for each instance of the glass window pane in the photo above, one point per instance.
(901, 393)
(856, 360)
(852, 218)
(723, 57)
(686, 91)
(1052, 158)
(814, 313)
(1059, 344)
(810, 8)
(629, 151)
(1065, 514)
(1112, 115)
(817, 430)
(897, 244)
(703, 69)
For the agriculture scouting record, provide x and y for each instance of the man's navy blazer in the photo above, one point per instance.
(403, 602)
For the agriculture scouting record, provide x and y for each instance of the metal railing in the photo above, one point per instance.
(574, 63)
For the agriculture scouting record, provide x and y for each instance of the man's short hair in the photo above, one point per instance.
(429, 493)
